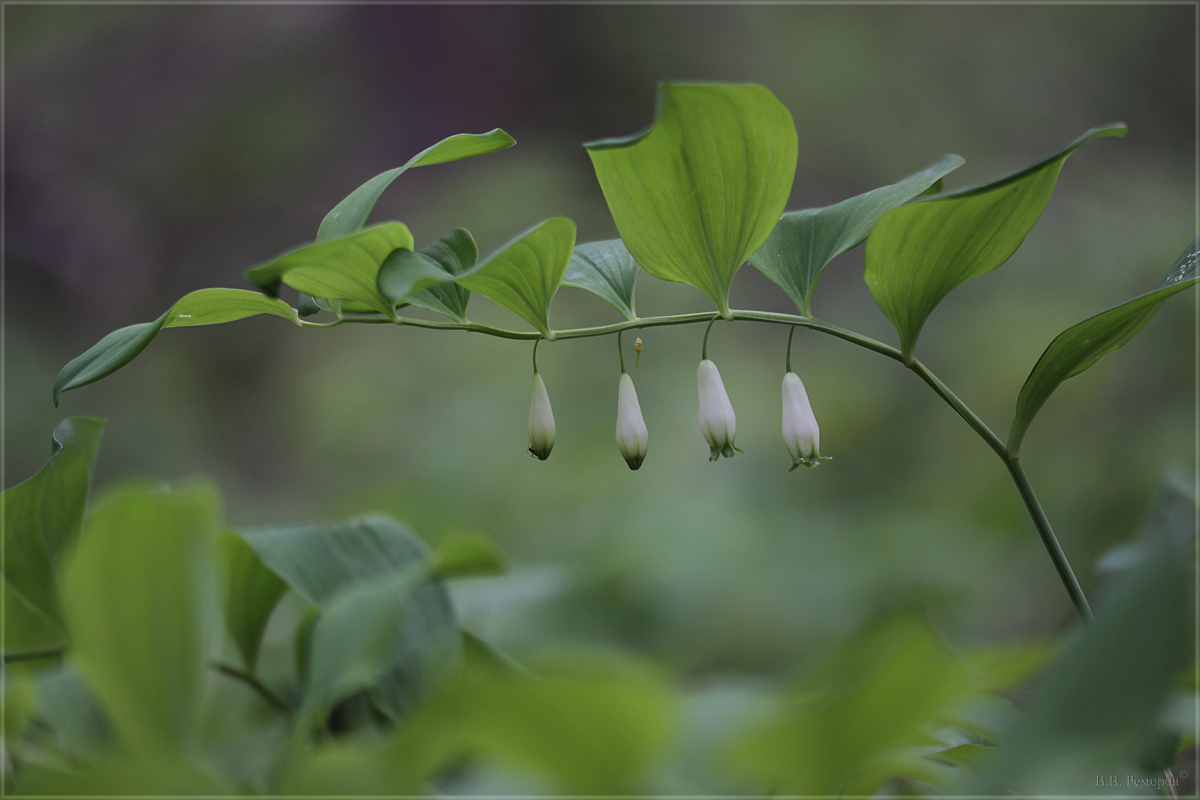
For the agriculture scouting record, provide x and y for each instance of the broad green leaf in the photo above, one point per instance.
(1097, 709)
(524, 274)
(42, 518)
(1082, 345)
(214, 306)
(469, 555)
(355, 636)
(320, 562)
(106, 356)
(351, 214)
(874, 700)
(405, 272)
(918, 253)
(585, 728)
(308, 305)
(346, 268)
(804, 242)
(606, 269)
(250, 594)
(694, 195)
(202, 307)
(456, 253)
(140, 606)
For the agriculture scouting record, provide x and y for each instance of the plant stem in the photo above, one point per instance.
(943, 391)
(787, 362)
(1036, 513)
(704, 344)
(1051, 541)
(272, 699)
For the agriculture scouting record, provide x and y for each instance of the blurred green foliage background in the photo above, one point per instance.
(156, 150)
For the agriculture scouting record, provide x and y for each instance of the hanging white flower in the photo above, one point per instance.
(800, 431)
(717, 421)
(541, 420)
(632, 438)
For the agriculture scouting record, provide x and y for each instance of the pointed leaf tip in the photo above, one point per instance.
(524, 275)
(1080, 346)
(351, 214)
(803, 243)
(919, 253)
(606, 269)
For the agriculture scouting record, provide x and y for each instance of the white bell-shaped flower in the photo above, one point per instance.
(800, 431)
(717, 421)
(632, 438)
(541, 420)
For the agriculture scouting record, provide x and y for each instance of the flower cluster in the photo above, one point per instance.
(718, 423)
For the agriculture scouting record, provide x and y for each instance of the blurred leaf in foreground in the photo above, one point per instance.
(862, 716)
(1095, 714)
(140, 596)
(42, 517)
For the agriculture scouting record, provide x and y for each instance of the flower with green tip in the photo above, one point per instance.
(717, 421)
(632, 438)
(800, 431)
(541, 420)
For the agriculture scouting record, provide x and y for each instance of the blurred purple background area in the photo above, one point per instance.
(155, 150)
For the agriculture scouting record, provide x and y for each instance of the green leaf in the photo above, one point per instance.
(308, 305)
(588, 729)
(202, 307)
(344, 269)
(469, 555)
(320, 562)
(1097, 709)
(456, 253)
(605, 269)
(405, 272)
(351, 214)
(354, 638)
(917, 254)
(804, 242)
(140, 603)
(250, 594)
(871, 701)
(698, 192)
(1080, 346)
(106, 356)
(42, 519)
(214, 306)
(524, 274)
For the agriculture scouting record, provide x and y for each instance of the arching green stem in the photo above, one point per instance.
(704, 344)
(788, 359)
(1033, 506)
